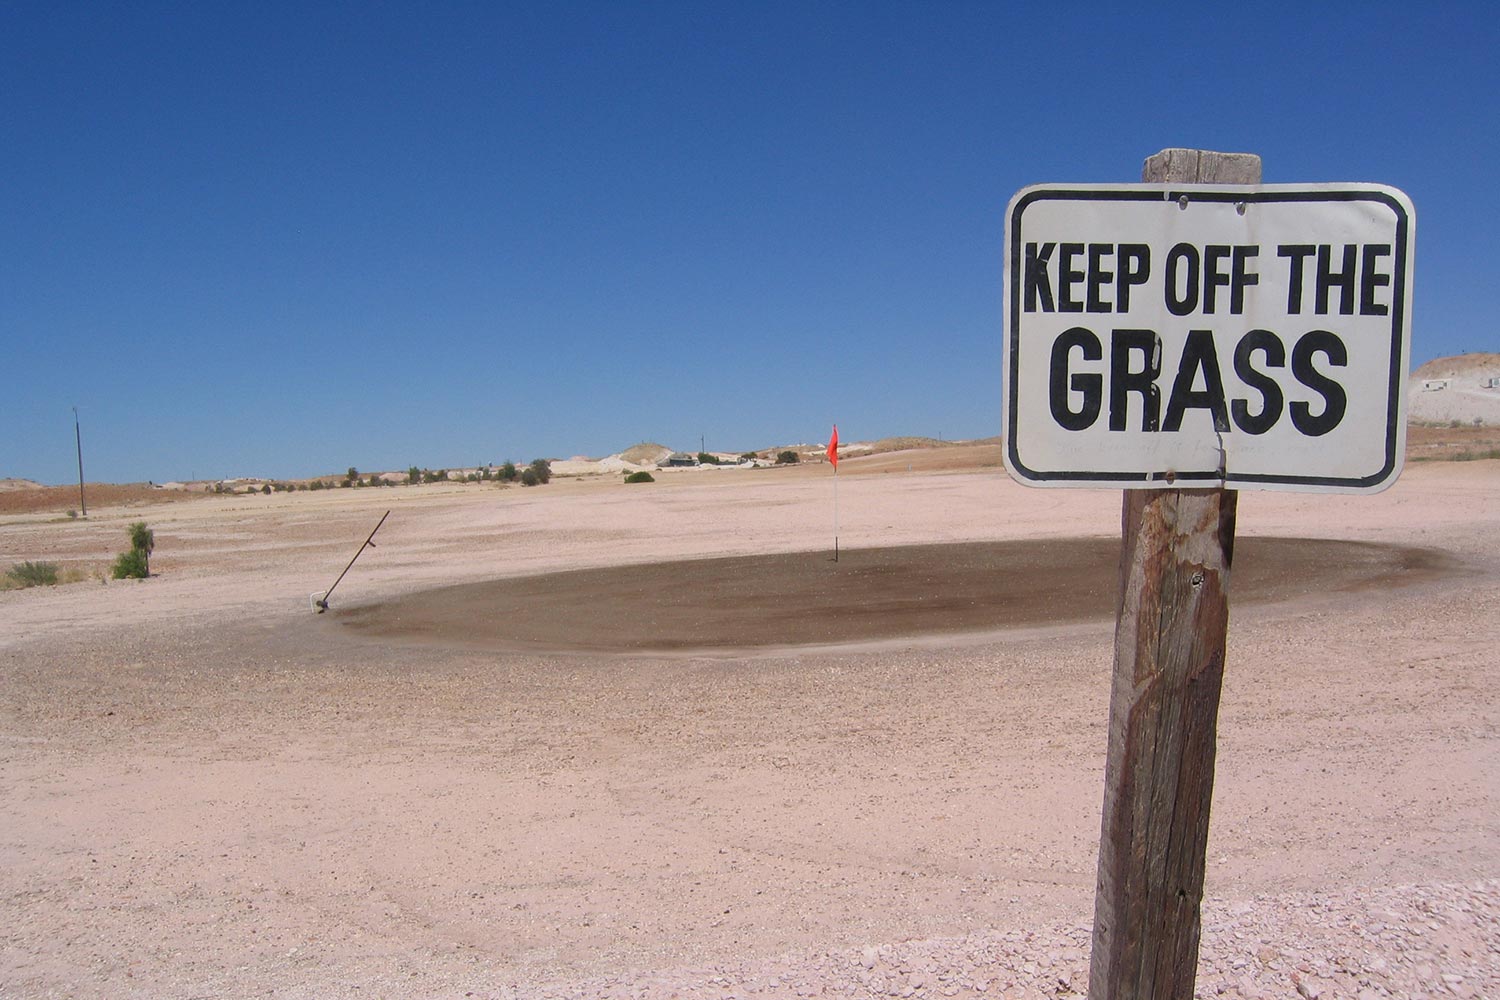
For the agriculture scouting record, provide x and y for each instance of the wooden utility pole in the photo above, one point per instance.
(1164, 706)
(83, 507)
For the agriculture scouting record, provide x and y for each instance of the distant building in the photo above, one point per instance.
(679, 458)
(1434, 384)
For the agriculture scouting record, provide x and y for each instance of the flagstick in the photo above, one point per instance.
(835, 513)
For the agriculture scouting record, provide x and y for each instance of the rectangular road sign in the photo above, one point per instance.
(1168, 335)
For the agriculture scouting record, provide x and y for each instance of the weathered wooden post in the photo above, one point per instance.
(1178, 546)
(1183, 338)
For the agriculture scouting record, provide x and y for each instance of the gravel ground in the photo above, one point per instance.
(208, 791)
(1403, 943)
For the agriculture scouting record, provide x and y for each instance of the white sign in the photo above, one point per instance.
(1254, 337)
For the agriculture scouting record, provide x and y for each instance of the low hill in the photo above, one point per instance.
(1445, 390)
(65, 498)
(645, 453)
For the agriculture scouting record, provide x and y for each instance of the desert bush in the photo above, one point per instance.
(413, 475)
(131, 565)
(704, 458)
(788, 457)
(530, 478)
(542, 469)
(508, 473)
(640, 477)
(32, 574)
(266, 489)
(749, 456)
(1476, 456)
(72, 513)
(136, 564)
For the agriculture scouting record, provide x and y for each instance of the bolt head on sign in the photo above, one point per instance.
(1179, 335)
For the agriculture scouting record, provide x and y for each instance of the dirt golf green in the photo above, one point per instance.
(806, 598)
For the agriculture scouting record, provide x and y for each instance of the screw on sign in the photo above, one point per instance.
(1202, 330)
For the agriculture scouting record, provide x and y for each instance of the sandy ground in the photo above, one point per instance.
(206, 790)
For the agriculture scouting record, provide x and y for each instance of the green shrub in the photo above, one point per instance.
(131, 565)
(1475, 456)
(788, 457)
(704, 458)
(32, 574)
(640, 477)
(508, 473)
(72, 513)
(530, 478)
(142, 537)
(136, 564)
(749, 456)
(542, 469)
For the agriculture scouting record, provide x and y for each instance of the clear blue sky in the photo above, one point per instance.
(281, 239)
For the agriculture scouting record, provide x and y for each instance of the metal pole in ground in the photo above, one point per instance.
(321, 603)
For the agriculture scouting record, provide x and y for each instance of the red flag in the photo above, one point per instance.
(833, 448)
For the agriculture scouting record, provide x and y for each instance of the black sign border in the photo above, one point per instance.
(1215, 194)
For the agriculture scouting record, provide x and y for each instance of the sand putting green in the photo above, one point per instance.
(806, 598)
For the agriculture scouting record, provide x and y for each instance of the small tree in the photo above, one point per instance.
(704, 458)
(640, 477)
(529, 477)
(413, 475)
(136, 564)
(266, 489)
(142, 537)
(508, 473)
(542, 469)
(788, 457)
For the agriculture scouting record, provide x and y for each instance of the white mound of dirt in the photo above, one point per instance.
(1462, 388)
(645, 453)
